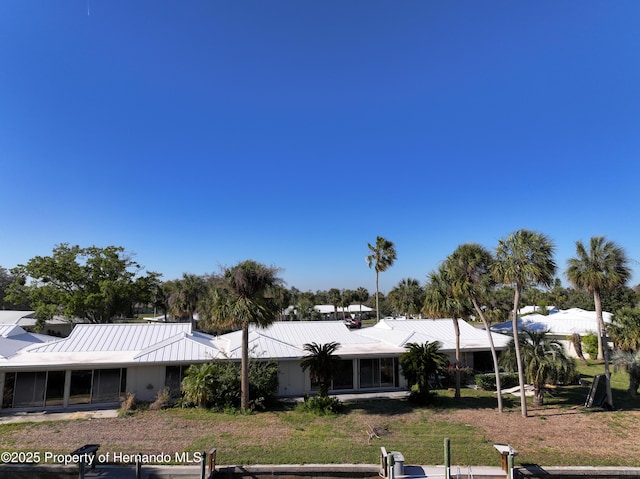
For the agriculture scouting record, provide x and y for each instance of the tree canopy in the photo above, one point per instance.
(94, 284)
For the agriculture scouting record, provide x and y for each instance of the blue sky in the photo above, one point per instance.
(200, 133)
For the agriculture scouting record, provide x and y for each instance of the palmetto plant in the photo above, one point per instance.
(382, 256)
(523, 258)
(544, 360)
(630, 362)
(244, 297)
(322, 364)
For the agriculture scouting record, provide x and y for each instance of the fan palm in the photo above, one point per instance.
(470, 269)
(602, 268)
(545, 361)
(625, 329)
(630, 362)
(243, 298)
(441, 302)
(382, 256)
(523, 258)
(407, 297)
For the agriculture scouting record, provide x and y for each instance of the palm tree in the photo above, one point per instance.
(630, 362)
(322, 364)
(198, 383)
(382, 256)
(407, 296)
(335, 297)
(441, 302)
(602, 268)
(361, 295)
(625, 329)
(523, 258)
(185, 296)
(470, 269)
(544, 358)
(420, 363)
(244, 297)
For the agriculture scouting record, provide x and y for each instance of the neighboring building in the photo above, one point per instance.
(55, 327)
(98, 364)
(561, 325)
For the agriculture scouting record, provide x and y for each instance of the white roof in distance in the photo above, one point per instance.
(564, 322)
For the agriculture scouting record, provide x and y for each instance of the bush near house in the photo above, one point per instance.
(487, 382)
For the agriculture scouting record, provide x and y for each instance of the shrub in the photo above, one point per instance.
(321, 405)
(128, 405)
(218, 384)
(163, 400)
(590, 345)
(449, 381)
(488, 381)
(420, 397)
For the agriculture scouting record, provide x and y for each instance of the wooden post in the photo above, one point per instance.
(447, 458)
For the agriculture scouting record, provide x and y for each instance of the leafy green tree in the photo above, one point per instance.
(94, 284)
(322, 364)
(198, 384)
(383, 254)
(407, 297)
(421, 363)
(346, 298)
(625, 329)
(242, 298)
(469, 267)
(6, 279)
(522, 259)
(440, 301)
(630, 362)
(544, 359)
(602, 268)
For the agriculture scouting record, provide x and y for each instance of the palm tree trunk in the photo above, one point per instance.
(494, 354)
(600, 321)
(456, 328)
(538, 396)
(377, 304)
(244, 368)
(516, 339)
(603, 346)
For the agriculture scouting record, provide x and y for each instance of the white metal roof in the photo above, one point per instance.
(14, 317)
(13, 339)
(563, 323)
(402, 332)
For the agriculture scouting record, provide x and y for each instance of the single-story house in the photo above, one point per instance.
(56, 326)
(561, 325)
(99, 364)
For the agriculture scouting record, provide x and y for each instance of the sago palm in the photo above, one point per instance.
(322, 364)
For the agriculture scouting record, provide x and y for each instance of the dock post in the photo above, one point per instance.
(510, 461)
(203, 466)
(138, 468)
(447, 458)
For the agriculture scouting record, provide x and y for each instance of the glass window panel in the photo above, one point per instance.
(343, 379)
(106, 385)
(29, 389)
(173, 379)
(80, 390)
(369, 373)
(9, 386)
(55, 388)
(386, 372)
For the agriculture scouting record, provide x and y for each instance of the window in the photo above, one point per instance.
(55, 388)
(9, 386)
(376, 373)
(106, 385)
(80, 391)
(343, 379)
(173, 377)
(29, 389)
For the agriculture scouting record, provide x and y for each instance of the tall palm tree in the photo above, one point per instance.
(544, 358)
(470, 269)
(335, 297)
(407, 297)
(244, 297)
(322, 364)
(361, 295)
(441, 302)
(185, 296)
(382, 256)
(602, 268)
(523, 258)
